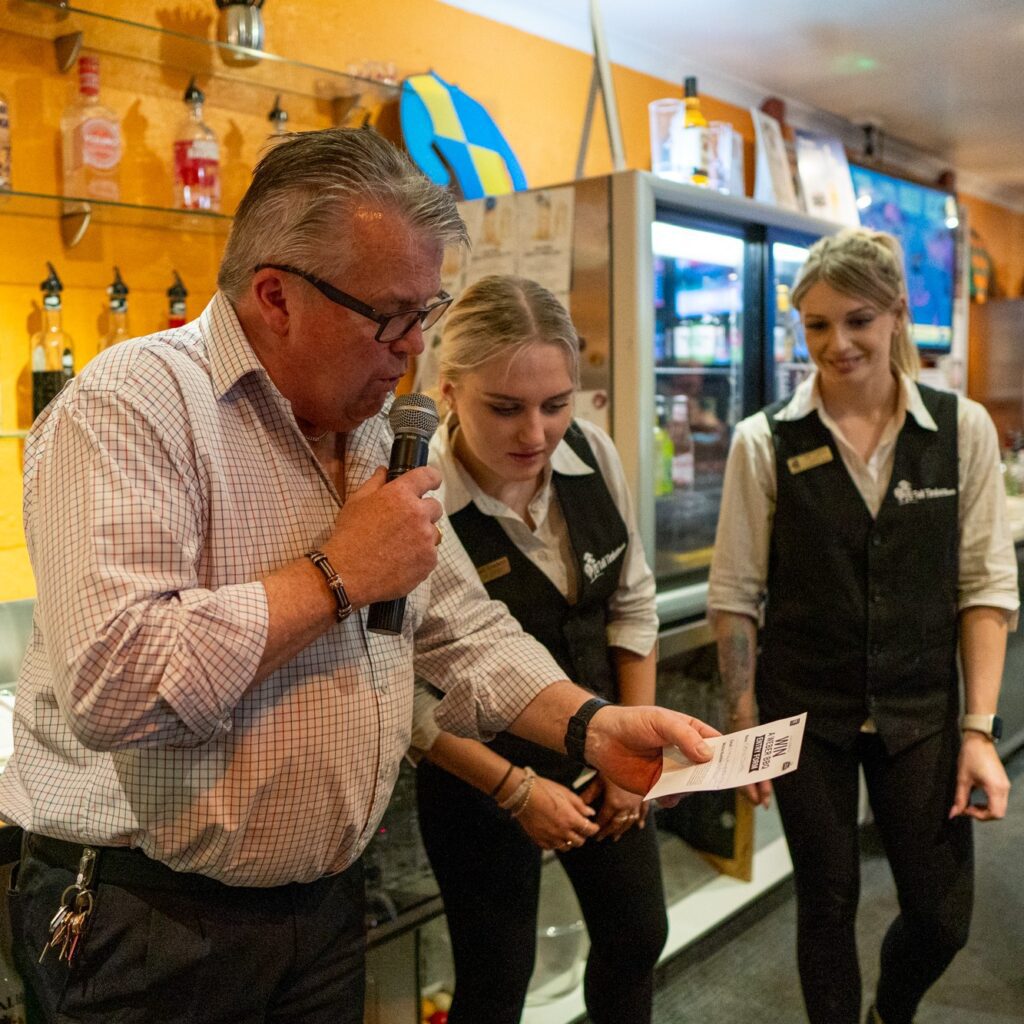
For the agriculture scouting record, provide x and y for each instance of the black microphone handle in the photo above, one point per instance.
(409, 451)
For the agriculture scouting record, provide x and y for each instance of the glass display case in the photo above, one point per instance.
(701, 336)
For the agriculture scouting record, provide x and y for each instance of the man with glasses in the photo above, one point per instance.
(206, 733)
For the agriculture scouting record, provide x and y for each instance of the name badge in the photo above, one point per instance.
(808, 460)
(493, 570)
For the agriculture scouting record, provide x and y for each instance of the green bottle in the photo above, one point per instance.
(662, 450)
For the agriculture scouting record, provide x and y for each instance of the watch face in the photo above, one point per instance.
(997, 727)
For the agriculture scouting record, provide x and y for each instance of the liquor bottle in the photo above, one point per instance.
(692, 144)
(5, 143)
(785, 326)
(117, 329)
(278, 118)
(682, 443)
(196, 158)
(91, 140)
(176, 295)
(663, 450)
(52, 356)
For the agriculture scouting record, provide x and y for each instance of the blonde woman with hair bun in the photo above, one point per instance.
(540, 503)
(863, 526)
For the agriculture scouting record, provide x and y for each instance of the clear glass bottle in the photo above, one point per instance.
(196, 157)
(117, 328)
(91, 140)
(176, 295)
(683, 469)
(5, 143)
(278, 118)
(52, 353)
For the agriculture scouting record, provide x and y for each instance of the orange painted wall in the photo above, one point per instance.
(536, 90)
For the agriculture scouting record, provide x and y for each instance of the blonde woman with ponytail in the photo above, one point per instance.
(863, 526)
(540, 503)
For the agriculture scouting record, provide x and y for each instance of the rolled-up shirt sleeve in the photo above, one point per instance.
(739, 564)
(140, 653)
(988, 563)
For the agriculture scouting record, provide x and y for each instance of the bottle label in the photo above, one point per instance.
(197, 173)
(683, 469)
(46, 385)
(99, 144)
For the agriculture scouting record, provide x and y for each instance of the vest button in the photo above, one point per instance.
(876, 541)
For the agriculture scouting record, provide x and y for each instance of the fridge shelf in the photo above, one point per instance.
(701, 370)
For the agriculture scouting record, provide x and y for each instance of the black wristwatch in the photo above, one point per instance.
(576, 731)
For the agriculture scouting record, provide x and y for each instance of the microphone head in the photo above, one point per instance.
(414, 413)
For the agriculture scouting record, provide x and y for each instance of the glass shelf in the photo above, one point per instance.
(77, 214)
(172, 45)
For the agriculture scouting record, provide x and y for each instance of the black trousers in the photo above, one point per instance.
(194, 951)
(931, 859)
(488, 871)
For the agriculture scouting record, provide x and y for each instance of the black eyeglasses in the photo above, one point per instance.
(393, 326)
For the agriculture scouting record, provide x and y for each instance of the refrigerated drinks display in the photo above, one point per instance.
(789, 348)
(698, 360)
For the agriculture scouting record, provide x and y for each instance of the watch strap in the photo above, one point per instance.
(319, 559)
(989, 725)
(576, 731)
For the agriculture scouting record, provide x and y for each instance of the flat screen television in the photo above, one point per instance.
(924, 220)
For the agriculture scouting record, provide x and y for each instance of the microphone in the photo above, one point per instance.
(413, 418)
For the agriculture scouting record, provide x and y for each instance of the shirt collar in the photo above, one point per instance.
(460, 488)
(807, 399)
(231, 356)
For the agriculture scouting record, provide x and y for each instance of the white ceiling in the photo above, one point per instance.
(943, 79)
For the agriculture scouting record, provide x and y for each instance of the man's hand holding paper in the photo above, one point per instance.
(742, 758)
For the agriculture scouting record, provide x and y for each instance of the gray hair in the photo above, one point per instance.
(289, 213)
(867, 265)
(502, 314)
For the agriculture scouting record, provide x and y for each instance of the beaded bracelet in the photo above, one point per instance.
(516, 800)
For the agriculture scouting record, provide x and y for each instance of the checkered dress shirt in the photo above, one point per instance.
(160, 486)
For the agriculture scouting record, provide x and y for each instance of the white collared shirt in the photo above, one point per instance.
(988, 565)
(633, 617)
(161, 486)
(632, 613)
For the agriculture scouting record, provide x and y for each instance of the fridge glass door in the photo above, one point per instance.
(789, 350)
(698, 353)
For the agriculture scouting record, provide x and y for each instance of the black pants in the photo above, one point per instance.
(202, 954)
(931, 859)
(489, 874)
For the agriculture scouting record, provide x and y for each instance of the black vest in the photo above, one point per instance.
(861, 616)
(575, 635)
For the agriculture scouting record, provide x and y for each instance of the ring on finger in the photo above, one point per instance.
(440, 534)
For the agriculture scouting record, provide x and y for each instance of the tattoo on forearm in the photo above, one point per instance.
(736, 663)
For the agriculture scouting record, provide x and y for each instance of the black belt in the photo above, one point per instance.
(123, 865)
